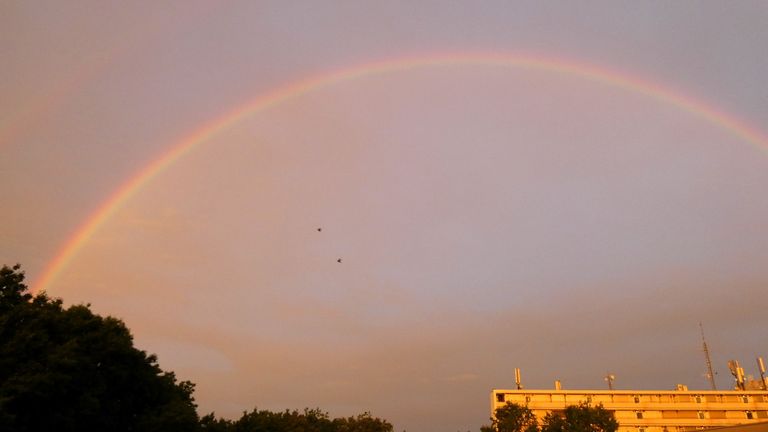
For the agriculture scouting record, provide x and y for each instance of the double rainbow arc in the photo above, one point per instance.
(296, 89)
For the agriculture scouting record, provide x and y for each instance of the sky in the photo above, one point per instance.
(575, 207)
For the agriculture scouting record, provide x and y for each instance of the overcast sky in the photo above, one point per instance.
(487, 217)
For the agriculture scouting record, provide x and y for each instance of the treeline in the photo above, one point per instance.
(68, 369)
(310, 420)
(575, 418)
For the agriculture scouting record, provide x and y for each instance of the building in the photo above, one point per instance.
(650, 411)
(751, 427)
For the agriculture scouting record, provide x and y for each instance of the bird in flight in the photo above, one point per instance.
(320, 229)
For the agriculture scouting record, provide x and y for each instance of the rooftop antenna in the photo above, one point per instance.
(761, 368)
(517, 379)
(610, 378)
(710, 374)
(738, 374)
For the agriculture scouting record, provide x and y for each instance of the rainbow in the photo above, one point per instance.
(293, 90)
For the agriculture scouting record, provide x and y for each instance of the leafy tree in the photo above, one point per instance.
(67, 369)
(581, 418)
(512, 417)
(310, 420)
(209, 423)
(364, 422)
(12, 288)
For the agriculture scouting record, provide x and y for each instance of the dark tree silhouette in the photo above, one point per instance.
(310, 420)
(512, 417)
(67, 369)
(581, 418)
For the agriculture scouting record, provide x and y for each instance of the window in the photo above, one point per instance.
(639, 414)
(641, 429)
(499, 397)
(637, 399)
(745, 399)
(698, 399)
(749, 415)
(701, 415)
(527, 399)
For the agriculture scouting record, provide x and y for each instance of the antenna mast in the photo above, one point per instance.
(738, 374)
(710, 374)
(761, 368)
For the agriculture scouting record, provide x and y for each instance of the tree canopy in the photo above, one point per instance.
(68, 369)
(310, 420)
(512, 417)
(581, 418)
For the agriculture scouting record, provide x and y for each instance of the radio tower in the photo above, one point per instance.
(710, 374)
